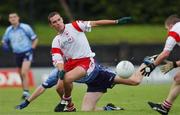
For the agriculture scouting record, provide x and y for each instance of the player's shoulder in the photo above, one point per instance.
(24, 25)
(9, 28)
(176, 27)
(56, 37)
(77, 22)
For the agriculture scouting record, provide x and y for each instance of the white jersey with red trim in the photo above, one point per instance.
(72, 43)
(173, 37)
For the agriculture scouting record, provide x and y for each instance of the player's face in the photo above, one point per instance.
(14, 19)
(57, 22)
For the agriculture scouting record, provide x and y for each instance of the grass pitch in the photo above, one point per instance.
(133, 99)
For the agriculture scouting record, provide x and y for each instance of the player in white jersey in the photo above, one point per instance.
(73, 57)
(172, 24)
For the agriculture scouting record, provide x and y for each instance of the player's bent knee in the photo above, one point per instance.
(68, 79)
(177, 79)
(45, 85)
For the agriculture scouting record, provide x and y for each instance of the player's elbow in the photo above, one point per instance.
(177, 79)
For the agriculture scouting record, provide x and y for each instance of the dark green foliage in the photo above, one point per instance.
(142, 11)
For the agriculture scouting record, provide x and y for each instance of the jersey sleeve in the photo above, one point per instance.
(174, 35)
(175, 32)
(170, 43)
(82, 26)
(57, 54)
(31, 34)
(5, 37)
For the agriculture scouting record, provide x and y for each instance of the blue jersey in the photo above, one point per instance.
(20, 38)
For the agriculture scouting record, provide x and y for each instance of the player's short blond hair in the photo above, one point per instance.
(172, 19)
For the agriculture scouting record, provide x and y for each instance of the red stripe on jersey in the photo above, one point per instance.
(76, 26)
(56, 50)
(72, 63)
(174, 35)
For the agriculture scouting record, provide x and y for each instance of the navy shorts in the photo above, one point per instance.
(104, 80)
(52, 79)
(25, 56)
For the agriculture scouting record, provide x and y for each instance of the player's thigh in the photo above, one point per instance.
(90, 100)
(177, 77)
(75, 74)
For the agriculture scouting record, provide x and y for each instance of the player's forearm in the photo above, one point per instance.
(34, 43)
(162, 56)
(103, 22)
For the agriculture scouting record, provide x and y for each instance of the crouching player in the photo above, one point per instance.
(72, 44)
(96, 88)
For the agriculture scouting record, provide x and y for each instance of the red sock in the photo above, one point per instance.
(166, 105)
(66, 98)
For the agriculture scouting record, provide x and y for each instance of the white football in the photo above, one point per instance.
(124, 69)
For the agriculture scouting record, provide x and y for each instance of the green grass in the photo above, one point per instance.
(133, 99)
(131, 34)
(109, 34)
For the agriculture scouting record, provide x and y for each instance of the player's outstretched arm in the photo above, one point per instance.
(122, 20)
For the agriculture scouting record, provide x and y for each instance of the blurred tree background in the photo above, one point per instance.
(147, 26)
(144, 36)
(143, 11)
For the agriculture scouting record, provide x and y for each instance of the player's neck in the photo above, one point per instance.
(15, 25)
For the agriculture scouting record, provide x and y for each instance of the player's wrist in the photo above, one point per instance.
(152, 66)
(116, 21)
(27, 102)
(123, 20)
(61, 74)
(175, 64)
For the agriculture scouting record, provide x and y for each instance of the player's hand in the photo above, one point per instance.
(61, 74)
(146, 71)
(168, 66)
(124, 20)
(149, 59)
(22, 105)
(5, 47)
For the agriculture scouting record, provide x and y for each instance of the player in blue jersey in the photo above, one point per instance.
(104, 79)
(22, 40)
